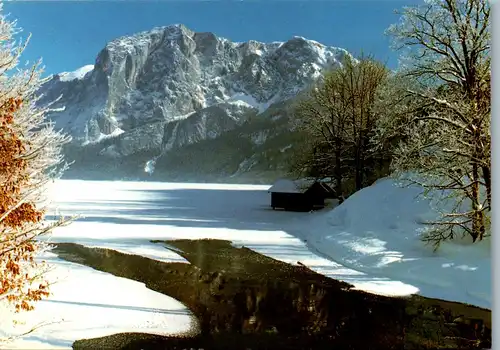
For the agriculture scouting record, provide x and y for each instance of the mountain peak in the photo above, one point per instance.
(174, 31)
(77, 74)
(143, 85)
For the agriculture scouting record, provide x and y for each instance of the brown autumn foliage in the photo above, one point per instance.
(13, 168)
(30, 158)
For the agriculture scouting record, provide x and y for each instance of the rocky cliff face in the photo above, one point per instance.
(159, 91)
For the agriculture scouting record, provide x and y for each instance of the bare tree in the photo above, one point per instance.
(446, 48)
(322, 115)
(30, 157)
(364, 80)
(339, 114)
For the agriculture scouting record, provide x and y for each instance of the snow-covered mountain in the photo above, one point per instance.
(170, 87)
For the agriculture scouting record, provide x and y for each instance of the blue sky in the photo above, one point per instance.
(69, 34)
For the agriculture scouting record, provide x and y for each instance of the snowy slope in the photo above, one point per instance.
(377, 231)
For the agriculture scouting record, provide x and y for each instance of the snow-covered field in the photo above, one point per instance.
(370, 241)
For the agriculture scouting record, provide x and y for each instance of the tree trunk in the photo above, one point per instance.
(338, 168)
(359, 164)
(487, 180)
(477, 214)
(478, 225)
(359, 173)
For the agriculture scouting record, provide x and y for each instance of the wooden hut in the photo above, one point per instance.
(299, 195)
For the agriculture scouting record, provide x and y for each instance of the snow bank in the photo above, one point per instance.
(86, 303)
(378, 231)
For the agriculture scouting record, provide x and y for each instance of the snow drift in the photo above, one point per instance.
(378, 231)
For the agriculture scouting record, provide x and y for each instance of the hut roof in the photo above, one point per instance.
(326, 187)
(291, 186)
(284, 186)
